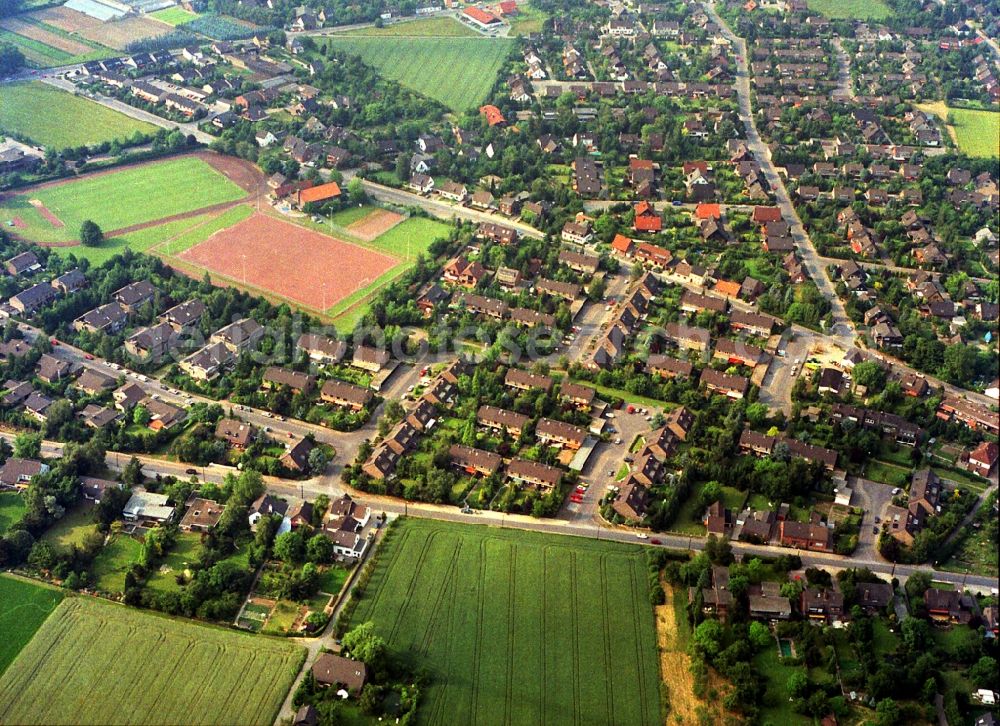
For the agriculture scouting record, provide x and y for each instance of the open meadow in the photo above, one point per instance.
(175, 15)
(119, 665)
(69, 120)
(117, 199)
(516, 627)
(24, 606)
(457, 72)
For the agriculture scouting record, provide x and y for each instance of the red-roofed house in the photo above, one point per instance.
(646, 218)
(479, 17)
(492, 115)
(763, 215)
(983, 458)
(707, 211)
(508, 7)
(322, 193)
(622, 245)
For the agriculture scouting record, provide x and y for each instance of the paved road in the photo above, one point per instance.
(842, 328)
(445, 210)
(845, 88)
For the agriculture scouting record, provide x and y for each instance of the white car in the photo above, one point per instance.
(642, 535)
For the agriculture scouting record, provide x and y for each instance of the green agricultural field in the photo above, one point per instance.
(12, 508)
(69, 120)
(978, 132)
(119, 665)
(425, 28)
(458, 72)
(529, 19)
(517, 627)
(23, 608)
(120, 199)
(174, 16)
(851, 9)
(35, 52)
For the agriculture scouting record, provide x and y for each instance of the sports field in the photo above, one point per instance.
(515, 627)
(851, 9)
(68, 121)
(118, 665)
(118, 199)
(458, 72)
(427, 28)
(288, 260)
(23, 608)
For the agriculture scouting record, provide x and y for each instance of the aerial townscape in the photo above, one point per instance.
(505, 362)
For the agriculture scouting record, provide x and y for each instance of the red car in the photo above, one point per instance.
(655, 541)
(54, 341)
(88, 356)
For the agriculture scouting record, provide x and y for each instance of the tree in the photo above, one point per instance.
(318, 459)
(363, 644)
(91, 235)
(141, 415)
(319, 549)
(917, 583)
(759, 635)
(289, 546)
(708, 638)
(356, 191)
(798, 684)
(887, 713)
(132, 473)
(870, 375)
(28, 446)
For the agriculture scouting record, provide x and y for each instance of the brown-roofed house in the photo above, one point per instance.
(201, 515)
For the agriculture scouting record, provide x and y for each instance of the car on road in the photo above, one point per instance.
(88, 356)
(54, 341)
(895, 491)
(874, 530)
(642, 535)
(655, 541)
(190, 471)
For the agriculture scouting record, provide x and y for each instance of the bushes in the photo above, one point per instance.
(218, 28)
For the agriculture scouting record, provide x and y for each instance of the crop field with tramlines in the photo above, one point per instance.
(119, 665)
(23, 608)
(458, 72)
(516, 627)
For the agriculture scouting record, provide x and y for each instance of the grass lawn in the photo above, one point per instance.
(109, 567)
(351, 215)
(120, 199)
(282, 618)
(332, 579)
(425, 28)
(887, 473)
(644, 401)
(140, 241)
(23, 608)
(164, 670)
(174, 16)
(69, 120)
(184, 551)
(517, 627)
(76, 524)
(12, 508)
(457, 72)
(968, 481)
(777, 709)
(851, 9)
(529, 19)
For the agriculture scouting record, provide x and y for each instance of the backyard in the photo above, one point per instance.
(12, 508)
(517, 627)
